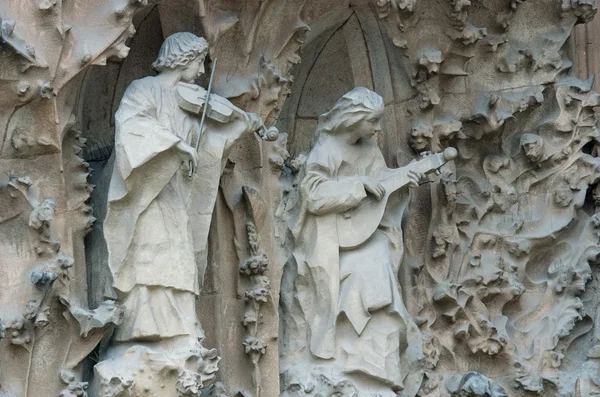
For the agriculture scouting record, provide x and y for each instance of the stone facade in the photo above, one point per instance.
(325, 198)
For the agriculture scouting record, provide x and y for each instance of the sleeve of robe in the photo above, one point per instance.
(323, 192)
(140, 136)
(146, 160)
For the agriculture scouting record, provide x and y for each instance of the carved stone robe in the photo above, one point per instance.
(360, 282)
(158, 218)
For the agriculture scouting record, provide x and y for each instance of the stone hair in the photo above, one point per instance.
(179, 49)
(351, 108)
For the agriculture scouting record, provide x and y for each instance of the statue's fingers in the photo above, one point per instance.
(415, 174)
(413, 180)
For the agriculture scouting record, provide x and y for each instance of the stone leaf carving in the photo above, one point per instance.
(494, 262)
(45, 47)
(474, 384)
(488, 231)
(51, 295)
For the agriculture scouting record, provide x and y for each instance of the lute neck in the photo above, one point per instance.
(396, 178)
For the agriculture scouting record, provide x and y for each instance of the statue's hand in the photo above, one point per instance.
(188, 156)
(373, 186)
(414, 177)
(254, 121)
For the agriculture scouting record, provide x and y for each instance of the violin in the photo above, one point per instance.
(192, 98)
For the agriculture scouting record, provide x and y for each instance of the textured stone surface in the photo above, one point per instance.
(494, 260)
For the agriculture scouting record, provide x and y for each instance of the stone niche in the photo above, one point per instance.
(390, 198)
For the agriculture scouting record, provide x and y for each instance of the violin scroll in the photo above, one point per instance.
(256, 124)
(268, 134)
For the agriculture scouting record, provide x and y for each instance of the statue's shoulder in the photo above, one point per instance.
(140, 93)
(324, 152)
(145, 83)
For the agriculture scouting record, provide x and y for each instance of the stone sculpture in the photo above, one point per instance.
(159, 209)
(495, 264)
(349, 292)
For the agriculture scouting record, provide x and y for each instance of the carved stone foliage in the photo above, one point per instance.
(501, 274)
(44, 212)
(490, 282)
(511, 248)
(53, 308)
(257, 293)
(256, 67)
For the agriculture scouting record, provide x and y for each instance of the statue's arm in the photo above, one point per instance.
(140, 135)
(231, 131)
(323, 193)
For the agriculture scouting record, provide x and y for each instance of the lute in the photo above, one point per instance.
(357, 224)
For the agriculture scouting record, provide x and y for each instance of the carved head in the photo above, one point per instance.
(533, 145)
(421, 135)
(278, 152)
(182, 51)
(571, 277)
(357, 112)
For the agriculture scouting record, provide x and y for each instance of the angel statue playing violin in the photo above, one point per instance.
(349, 247)
(161, 199)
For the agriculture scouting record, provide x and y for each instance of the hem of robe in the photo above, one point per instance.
(153, 313)
(376, 353)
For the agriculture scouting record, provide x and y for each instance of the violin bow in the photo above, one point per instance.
(207, 104)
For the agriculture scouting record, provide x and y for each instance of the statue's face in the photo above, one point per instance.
(420, 139)
(534, 151)
(368, 127)
(193, 70)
